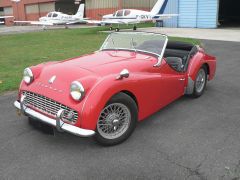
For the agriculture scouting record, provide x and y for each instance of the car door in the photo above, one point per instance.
(169, 84)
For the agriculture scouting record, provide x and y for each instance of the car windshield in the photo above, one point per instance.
(136, 41)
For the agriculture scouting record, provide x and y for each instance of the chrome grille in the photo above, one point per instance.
(47, 105)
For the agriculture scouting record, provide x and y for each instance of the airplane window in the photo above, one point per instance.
(55, 15)
(127, 12)
(49, 15)
(120, 13)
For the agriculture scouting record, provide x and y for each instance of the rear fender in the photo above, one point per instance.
(195, 64)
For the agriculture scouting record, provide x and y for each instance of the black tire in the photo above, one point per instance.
(111, 28)
(127, 101)
(117, 29)
(135, 28)
(196, 92)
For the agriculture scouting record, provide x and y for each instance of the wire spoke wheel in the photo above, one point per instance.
(114, 121)
(200, 81)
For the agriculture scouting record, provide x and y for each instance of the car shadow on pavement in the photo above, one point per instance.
(149, 124)
(44, 128)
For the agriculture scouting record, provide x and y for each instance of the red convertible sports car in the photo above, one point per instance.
(106, 93)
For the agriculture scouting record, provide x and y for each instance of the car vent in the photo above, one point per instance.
(49, 106)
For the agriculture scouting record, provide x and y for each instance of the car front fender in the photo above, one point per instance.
(98, 97)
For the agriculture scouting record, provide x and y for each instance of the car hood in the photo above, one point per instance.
(108, 62)
(88, 69)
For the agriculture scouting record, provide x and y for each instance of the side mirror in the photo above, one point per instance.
(123, 74)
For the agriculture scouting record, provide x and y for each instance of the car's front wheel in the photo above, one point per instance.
(117, 120)
(200, 82)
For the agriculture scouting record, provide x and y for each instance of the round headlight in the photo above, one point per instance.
(27, 76)
(77, 91)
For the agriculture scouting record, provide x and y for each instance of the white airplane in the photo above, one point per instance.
(59, 18)
(4, 17)
(134, 16)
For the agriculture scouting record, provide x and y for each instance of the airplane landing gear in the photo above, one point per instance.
(134, 28)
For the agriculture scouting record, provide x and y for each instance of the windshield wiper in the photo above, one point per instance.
(113, 44)
(133, 46)
(114, 47)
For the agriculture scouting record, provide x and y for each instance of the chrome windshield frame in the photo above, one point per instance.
(159, 56)
(162, 53)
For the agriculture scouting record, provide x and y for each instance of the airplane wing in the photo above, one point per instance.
(164, 16)
(35, 23)
(113, 21)
(84, 20)
(4, 17)
(93, 21)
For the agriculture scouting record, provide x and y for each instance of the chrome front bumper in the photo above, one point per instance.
(58, 123)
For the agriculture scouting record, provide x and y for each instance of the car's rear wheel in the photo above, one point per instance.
(117, 120)
(200, 82)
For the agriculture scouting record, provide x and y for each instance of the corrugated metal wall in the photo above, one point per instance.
(152, 3)
(198, 13)
(32, 8)
(207, 16)
(187, 13)
(138, 4)
(46, 7)
(39, 8)
(35, 11)
(126, 4)
(171, 8)
(96, 8)
(96, 4)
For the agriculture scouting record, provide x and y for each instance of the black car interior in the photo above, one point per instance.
(177, 54)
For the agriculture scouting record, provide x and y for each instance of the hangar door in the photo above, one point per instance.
(229, 13)
(198, 13)
(171, 8)
(187, 13)
(35, 11)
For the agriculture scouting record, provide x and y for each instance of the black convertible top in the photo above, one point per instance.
(180, 45)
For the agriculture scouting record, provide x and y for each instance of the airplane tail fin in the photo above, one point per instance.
(159, 7)
(80, 12)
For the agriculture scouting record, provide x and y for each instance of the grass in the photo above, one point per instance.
(23, 50)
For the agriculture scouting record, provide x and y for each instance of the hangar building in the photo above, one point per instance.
(192, 13)
(204, 13)
(30, 10)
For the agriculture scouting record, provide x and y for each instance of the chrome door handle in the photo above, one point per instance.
(182, 79)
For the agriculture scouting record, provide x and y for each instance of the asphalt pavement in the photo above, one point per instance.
(189, 139)
(220, 34)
